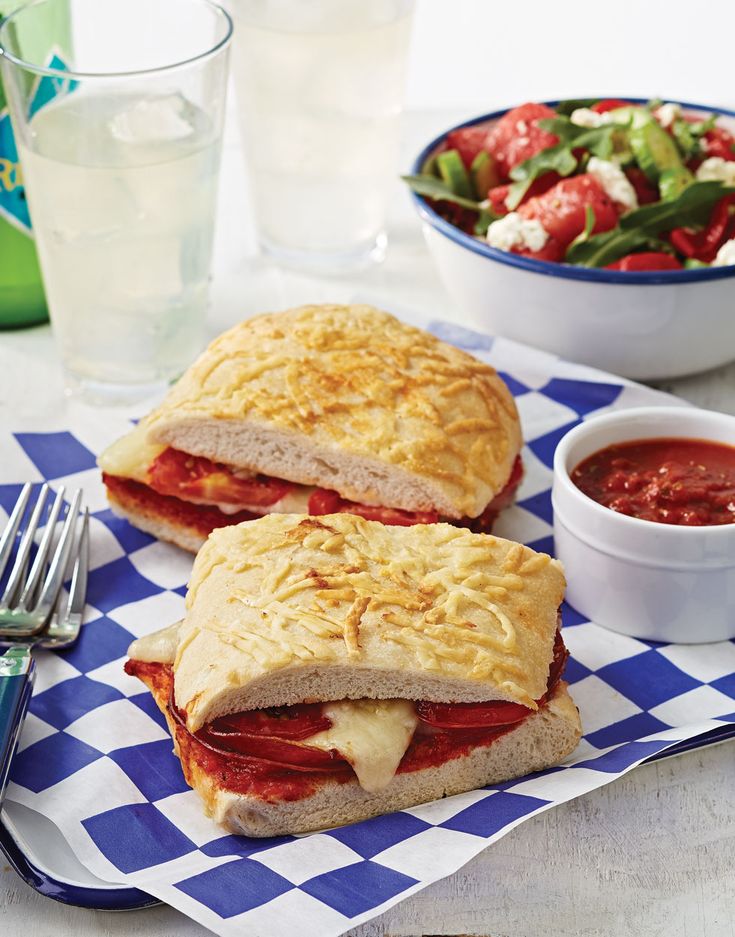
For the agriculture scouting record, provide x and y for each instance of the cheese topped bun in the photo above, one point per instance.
(320, 409)
(332, 668)
(291, 608)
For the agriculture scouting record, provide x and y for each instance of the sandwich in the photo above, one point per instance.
(329, 669)
(321, 410)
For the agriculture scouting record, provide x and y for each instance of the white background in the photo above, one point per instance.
(474, 55)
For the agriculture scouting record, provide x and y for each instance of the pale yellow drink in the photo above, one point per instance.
(124, 237)
(319, 89)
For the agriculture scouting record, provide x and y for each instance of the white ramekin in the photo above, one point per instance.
(655, 581)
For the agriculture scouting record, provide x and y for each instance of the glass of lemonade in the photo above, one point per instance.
(118, 126)
(319, 86)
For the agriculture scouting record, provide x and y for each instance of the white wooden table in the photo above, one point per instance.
(652, 853)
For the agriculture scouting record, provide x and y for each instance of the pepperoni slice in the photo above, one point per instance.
(194, 477)
(323, 501)
(495, 713)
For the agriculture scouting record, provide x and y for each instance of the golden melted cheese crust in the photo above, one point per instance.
(290, 591)
(357, 380)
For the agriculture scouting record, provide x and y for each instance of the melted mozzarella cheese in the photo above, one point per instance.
(372, 735)
(157, 648)
(131, 456)
(293, 502)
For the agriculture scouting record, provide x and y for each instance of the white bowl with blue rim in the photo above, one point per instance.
(643, 325)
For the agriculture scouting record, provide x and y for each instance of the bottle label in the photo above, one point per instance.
(13, 204)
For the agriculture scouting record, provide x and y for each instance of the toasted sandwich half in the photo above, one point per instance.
(331, 668)
(320, 410)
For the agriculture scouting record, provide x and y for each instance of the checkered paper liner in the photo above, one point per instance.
(96, 758)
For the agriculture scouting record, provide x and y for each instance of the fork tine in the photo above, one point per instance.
(78, 588)
(24, 549)
(11, 529)
(38, 563)
(63, 627)
(60, 560)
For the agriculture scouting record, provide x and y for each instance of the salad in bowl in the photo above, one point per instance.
(608, 183)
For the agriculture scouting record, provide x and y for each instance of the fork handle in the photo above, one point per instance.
(17, 670)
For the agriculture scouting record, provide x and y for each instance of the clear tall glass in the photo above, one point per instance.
(319, 86)
(119, 125)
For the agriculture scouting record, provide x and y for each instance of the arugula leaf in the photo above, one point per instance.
(431, 187)
(640, 228)
(688, 135)
(562, 127)
(691, 207)
(572, 104)
(483, 222)
(607, 247)
(597, 140)
(601, 140)
(589, 224)
(700, 127)
(517, 192)
(558, 158)
(553, 157)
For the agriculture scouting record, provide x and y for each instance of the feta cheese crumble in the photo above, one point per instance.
(725, 255)
(614, 181)
(513, 230)
(586, 117)
(717, 169)
(667, 114)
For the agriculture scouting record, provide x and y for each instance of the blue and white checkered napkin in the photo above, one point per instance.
(96, 758)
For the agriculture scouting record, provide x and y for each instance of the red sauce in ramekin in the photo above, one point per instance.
(688, 482)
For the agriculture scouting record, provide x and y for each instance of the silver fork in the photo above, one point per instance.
(20, 630)
(27, 602)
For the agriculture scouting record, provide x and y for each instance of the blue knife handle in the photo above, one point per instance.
(17, 670)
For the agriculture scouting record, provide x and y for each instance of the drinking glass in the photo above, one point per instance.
(319, 87)
(118, 119)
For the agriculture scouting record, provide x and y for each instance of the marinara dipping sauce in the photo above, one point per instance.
(690, 482)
